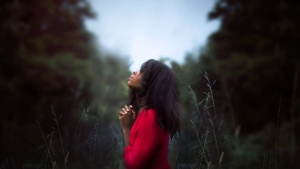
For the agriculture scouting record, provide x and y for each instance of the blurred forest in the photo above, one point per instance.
(60, 93)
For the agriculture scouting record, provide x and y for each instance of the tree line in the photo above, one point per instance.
(60, 92)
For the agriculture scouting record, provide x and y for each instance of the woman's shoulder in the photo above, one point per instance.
(148, 112)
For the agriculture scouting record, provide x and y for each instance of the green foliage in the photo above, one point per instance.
(254, 59)
(52, 73)
(49, 63)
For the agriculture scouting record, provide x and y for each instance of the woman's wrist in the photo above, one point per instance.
(126, 130)
(126, 134)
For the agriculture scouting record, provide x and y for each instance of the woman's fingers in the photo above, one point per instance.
(133, 115)
(124, 110)
(127, 116)
(127, 108)
(121, 113)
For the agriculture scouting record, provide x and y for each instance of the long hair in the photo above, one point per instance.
(159, 90)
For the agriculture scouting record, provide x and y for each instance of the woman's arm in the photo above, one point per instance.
(126, 116)
(147, 137)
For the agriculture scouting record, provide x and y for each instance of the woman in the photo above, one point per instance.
(151, 117)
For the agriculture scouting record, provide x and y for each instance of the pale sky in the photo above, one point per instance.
(151, 29)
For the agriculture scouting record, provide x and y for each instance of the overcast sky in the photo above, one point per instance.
(145, 29)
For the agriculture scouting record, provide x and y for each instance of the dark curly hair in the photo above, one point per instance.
(159, 90)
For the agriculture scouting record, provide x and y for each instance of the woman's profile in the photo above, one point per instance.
(151, 117)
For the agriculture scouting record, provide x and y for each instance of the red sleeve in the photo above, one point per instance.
(144, 140)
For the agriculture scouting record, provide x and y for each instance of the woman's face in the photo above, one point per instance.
(134, 81)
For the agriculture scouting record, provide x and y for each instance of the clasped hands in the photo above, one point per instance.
(127, 116)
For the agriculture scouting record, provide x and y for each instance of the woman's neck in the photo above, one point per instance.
(141, 102)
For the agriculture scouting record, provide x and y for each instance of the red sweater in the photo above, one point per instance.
(148, 144)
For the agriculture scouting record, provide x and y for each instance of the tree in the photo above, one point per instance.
(255, 55)
(253, 58)
(49, 62)
(251, 48)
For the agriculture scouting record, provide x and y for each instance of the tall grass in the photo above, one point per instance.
(202, 143)
(210, 142)
(206, 125)
(94, 145)
(205, 144)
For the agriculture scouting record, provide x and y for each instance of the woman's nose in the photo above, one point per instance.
(134, 72)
